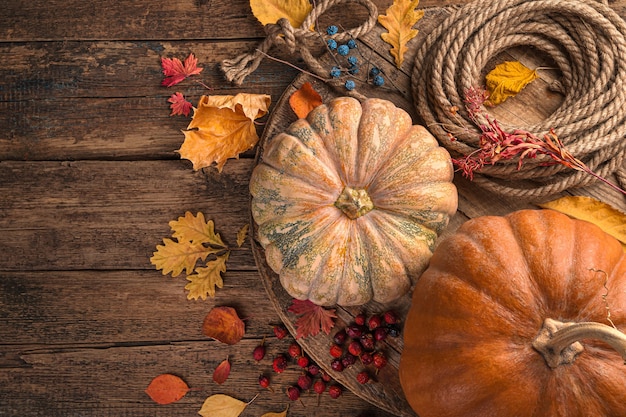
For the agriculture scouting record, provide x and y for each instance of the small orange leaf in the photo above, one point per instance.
(220, 375)
(166, 389)
(305, 99)
(223, 324)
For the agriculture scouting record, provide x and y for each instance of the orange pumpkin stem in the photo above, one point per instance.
(354, 202)
(559, 344)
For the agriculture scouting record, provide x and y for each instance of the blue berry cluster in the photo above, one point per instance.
(352, 62)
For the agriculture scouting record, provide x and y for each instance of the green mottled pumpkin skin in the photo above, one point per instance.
(349, 202)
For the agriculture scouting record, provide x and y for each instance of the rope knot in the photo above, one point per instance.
(282, 33)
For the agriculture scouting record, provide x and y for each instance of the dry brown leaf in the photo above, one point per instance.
(304, 99)
(506, 80)
(282, 414)
(167, 388)
(603, 215)
(399, 20)
(242, 234)
(270, 11)
(221, 373)
(220, 405)
(222, 127)
(223, 324)
(203, 282)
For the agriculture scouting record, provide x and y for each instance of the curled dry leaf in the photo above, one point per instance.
(223, 324)
(506, 80)
(304, 99)
(167, 388)
(220, 405)
(603, 215)
(399, 20)
(220, 375)
(222, 127)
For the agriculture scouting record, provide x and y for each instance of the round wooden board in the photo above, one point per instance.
(385, 392)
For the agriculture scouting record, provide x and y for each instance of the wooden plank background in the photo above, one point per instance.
(89, 179)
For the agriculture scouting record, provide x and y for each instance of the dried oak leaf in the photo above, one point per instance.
(176, 71)
(603, 215)
(203, 282)
(222, 371)
(271, 11)
(312, 318)
(399, 20)
(506, 80)
(167, 388)
(304, 99)
(222, 127)
(223, 324)
(196, 230)
(175, 256)
(220, 405)
(179, 105)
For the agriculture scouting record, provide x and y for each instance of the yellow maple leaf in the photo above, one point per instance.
(603, 215)
(506, 80)
(221, 405)
(222, 127)
(175, 256)
(204, 281)
(399, 20)
(270, 11)
(196, 230)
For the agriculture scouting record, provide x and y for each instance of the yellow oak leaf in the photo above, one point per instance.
(222, 127)
(203, 282)
(603, 215)
(175, 256)
(221, 405)
(271, 11)
(242, 234)
(399, 20)
(506, 80)
(196, 230)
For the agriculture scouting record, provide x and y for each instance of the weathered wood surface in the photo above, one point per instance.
(89, 179)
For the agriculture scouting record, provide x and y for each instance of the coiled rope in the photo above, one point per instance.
(298, 40)
(587, 41)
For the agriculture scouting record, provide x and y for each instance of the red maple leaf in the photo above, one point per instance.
(312, 318)
(175, 71)
(179, 105)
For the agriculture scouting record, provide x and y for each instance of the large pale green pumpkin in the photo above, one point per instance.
(349, 202)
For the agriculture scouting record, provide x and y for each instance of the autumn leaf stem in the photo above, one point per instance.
(293, 66)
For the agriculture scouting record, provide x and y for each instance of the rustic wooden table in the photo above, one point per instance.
(88, 183)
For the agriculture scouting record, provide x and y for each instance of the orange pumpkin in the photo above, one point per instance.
(514, 317)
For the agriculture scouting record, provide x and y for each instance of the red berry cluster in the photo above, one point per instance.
(357, 342)
(311, 377)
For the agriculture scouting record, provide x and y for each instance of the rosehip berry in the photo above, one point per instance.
(355, 348)
(336, 351)
(319, 386)
(354, 331)
(380, 333)
(294, 350)
(363, 377)
(264, 381)
(304, 382)
(340, 337)
(367, 341)
(366, 358)
(326, 377)
(258, 353)
(280, 331)
(359, 319)
(334, 391)
(348, 360)
(293, 393)
(303, 362)
(279, 364)
(313, 369)
(390, 317)
(374, 322)
(337, 365)
(380, 360)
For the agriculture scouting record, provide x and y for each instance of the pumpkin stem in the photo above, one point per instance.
(559, 344)
(354, 202)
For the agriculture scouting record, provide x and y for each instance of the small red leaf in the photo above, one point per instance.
(220, 375)
(179, 106)
(175, 71)
(166, 389)
(312, 318)
(223, 324)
